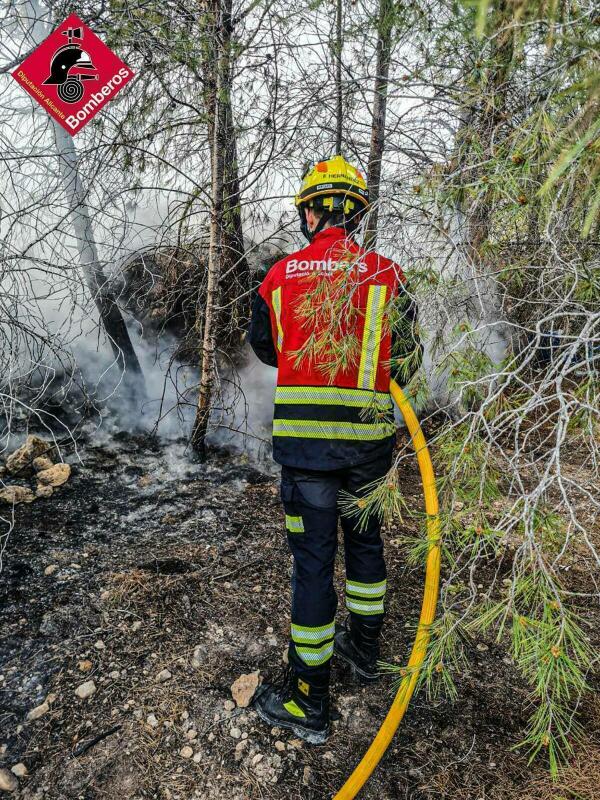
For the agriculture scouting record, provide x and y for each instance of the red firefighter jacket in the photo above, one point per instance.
(324, 421)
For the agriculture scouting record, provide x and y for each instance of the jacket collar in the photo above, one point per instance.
(333, 234)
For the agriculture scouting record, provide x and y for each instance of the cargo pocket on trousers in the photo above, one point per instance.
(293, 518)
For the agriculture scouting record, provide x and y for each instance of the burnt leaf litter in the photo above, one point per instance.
(157, 582)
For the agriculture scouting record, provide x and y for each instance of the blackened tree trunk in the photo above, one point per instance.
(109, 312)
(385, 24)
(97, 282)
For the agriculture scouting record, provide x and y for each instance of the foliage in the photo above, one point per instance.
(489, 200)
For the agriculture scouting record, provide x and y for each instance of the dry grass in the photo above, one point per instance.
(129, 588)
(578, 780)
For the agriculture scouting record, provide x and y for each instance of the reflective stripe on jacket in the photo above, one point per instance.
(320, 424)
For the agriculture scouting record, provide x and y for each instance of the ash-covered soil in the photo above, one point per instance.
(162, 581)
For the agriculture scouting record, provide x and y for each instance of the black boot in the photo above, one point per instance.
(298, 704)
(358, 645)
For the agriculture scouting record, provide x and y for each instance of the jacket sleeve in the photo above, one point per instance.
(406, 346)
(260, 334)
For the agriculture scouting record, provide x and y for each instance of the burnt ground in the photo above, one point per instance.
(145, 562)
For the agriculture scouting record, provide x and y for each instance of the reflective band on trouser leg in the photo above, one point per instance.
(331, 396)
(314, 656)
(276, 303)
(314, 429)
(365, 598)
(319, 638)
(371, 337)
(294, 524)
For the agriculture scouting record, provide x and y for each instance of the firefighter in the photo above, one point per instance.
(327, 439)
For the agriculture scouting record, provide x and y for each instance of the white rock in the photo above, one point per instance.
(8, 782)
(50, 569)
(136, 625)
(235, 733)
(238, 755)
(191, 734)
(186, 752)
(199, 656)
(229, 705)
(279, 745)
(20, 770)
(99, 645)
(152, 721)
(257, 758)
(197, 757)
(163, 676)
(85, 690)
(38, 711)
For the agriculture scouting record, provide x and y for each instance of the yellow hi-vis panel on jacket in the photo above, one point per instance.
(276, 303)
(371, 340)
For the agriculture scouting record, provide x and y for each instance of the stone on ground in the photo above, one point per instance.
(85, 690)
(38, 712)
(242, 689)
(199, 656)
(22, 458)
(16, 494)
(20, 770)
(8, 782)
(42, 462)
(54, 476)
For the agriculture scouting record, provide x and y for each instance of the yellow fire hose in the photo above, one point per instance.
(432, 580)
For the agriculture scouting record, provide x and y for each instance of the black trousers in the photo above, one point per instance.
(311, 503)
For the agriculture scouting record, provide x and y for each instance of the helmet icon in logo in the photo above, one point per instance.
(65, 67)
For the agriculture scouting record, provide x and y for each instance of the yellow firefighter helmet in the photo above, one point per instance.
(335, 187)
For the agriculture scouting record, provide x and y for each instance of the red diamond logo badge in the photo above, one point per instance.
(73, 74)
